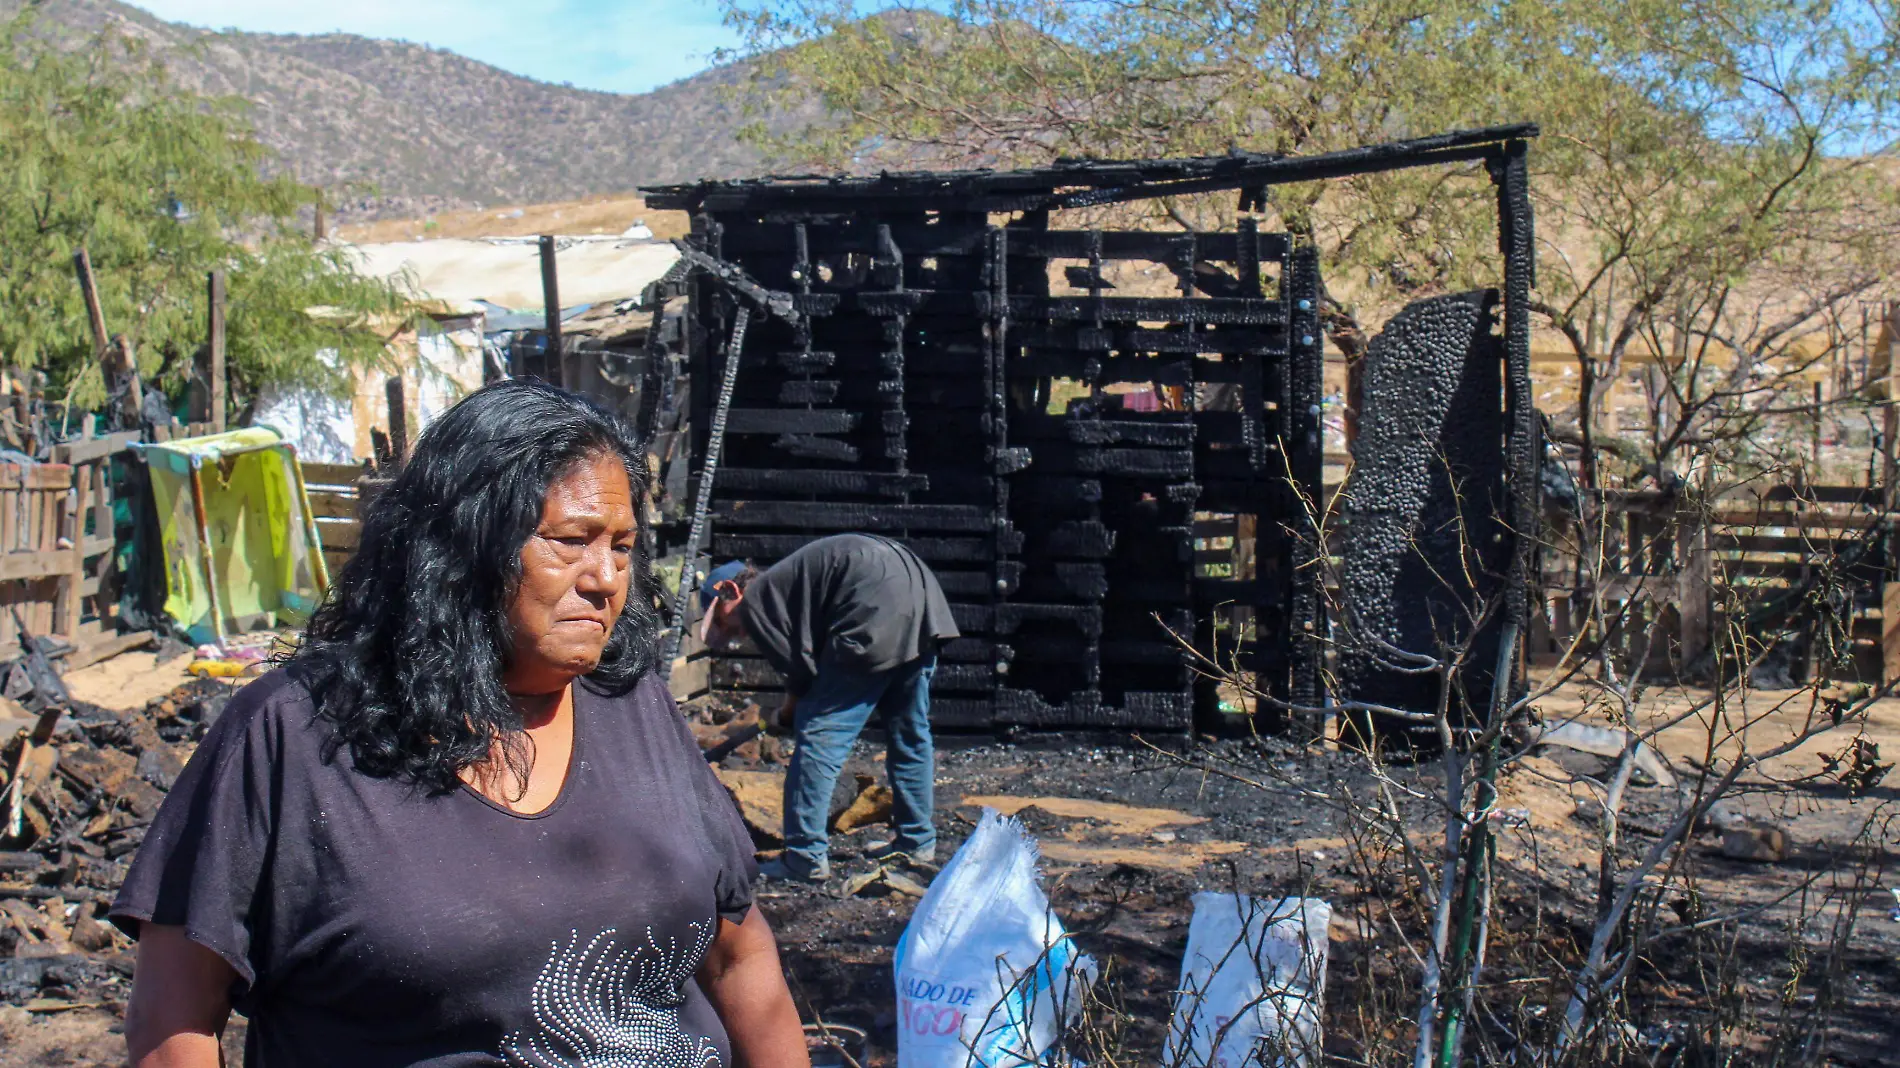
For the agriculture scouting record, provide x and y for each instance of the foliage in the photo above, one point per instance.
(98, 150)
(1711, 179)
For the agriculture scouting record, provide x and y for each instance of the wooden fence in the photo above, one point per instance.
(58, 572)
(336, 493)
(1694, 573)
(58, 565)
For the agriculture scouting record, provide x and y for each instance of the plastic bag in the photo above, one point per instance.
(1251, 982)
(986, 976)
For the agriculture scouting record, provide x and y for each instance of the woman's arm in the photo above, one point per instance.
(181, 997)
(741, 978)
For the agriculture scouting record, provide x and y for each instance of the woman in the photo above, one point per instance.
(464, 824)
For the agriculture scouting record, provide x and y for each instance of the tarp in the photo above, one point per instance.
(507, 271)
(239, 542)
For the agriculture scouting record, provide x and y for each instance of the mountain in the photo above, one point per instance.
(424, 129)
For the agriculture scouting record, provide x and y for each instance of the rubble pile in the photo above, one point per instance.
(79, 785)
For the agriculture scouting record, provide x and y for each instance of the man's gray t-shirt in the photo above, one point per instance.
(859, 601)
(373, 925)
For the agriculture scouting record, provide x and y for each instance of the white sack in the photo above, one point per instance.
(986, 976)
(1251, 982)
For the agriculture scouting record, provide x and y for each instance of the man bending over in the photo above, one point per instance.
(853, 623)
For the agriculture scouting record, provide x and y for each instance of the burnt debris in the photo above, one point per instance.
(897, 374)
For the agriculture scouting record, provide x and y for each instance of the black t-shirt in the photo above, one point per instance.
(868, 603)
(371, 924)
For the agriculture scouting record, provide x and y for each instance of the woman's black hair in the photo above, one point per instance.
(405, 656)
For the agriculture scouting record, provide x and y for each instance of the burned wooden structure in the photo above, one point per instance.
(898, 337)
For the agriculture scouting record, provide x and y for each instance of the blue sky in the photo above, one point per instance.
(618, 45)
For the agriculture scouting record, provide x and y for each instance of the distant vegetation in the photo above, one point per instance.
(98, 151)
(388, 128)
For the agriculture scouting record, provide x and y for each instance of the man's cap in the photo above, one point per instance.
(725, 572)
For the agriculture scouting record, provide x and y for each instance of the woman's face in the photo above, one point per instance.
(575, 570)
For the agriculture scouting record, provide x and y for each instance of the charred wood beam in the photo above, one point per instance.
(790, 421)
(843, 239)
(842, 483)
(808, 392)
(834, 516)
(810, 447)
(1079, 182)
(736, 281)
(933, 550)
(1191, 311)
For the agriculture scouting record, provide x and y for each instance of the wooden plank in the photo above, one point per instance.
(50, 477)
(75, 579)
(689, 677)
(1890, 633)
(1819, 542)
(9, 517)
(333, 505)
(1817, 494)
(556, 369)
(39, 477)
(339, 534)
(821, 516)
(399, 413)
(1814, 520)
(214, 302)
(89, 292)
(1695, 593)
(790, 421)
(1786, 569)
(107, 647)
(91, 449)
(1659, 589)
(332, 474)
(46, 618)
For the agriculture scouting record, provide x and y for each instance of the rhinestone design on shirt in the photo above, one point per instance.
(599, 1005)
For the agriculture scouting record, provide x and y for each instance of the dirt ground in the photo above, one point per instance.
(1128, 835)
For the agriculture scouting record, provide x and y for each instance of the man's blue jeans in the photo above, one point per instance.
(828, 719)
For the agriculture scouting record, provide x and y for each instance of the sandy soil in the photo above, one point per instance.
(128, 681)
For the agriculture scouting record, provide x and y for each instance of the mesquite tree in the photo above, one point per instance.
(99, 150)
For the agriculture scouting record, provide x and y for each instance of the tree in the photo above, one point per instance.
(1711, 180)
(98, 150)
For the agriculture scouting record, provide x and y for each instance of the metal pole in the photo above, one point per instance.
(702, 500)
(551, 302)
